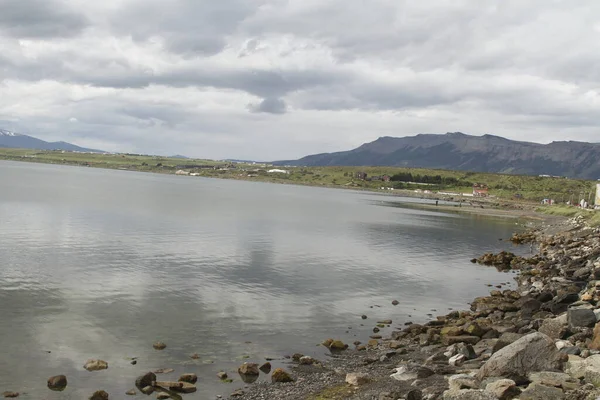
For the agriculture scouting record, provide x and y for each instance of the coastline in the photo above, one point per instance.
(467, 354)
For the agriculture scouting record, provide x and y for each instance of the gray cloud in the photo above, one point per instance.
(218, 76)
(270, 105)
(40, 19)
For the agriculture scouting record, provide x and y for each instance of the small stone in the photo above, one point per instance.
(357, 379)
(186, 387)
(222, 375)
(373, 343)
(131, 392)
(159, 346)
(395, 302)
(503, 389)
(281, 376)
(394, 344)
(95, 365)
(237, 393)
(163, 396)
(385, 322)
(460, 382)
(195, 356)
(338, 345)
(413, 394)
(363, 316)
(266, 367)
(10, 395)
(57, 383)
(133, 362)
(148, 390)
(99, 395)
(189, 377)
(164, 371)
(307, 360)
(297, 356)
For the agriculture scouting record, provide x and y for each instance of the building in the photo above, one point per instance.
(597, 201)
(361, 175)
(278, 171)
(480, 190)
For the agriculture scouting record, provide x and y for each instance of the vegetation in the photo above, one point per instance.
(519, 187)
(592, 217)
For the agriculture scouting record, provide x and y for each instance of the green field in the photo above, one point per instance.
(515, 187)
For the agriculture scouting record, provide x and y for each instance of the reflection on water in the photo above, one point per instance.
(101, 264)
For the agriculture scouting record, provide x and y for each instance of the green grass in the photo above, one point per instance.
(592, 217)
(503, 186)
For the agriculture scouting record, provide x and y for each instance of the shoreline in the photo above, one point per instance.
(467, 354)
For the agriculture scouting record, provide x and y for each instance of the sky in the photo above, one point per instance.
(280, 79)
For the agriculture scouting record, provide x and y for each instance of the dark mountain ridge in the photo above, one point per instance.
(19, 141)
(459, 151)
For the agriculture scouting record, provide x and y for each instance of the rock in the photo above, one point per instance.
(505, 339)
(448, 340)
(307, 360)
(363, 316)
(163, 396)
(281, 376)
(385, 322)
(555, 379)
(457, 360)
(463, 381)
(395, 302)
(99, 395)
(266, 367)
(95, 365)
(195, 356)
(403, 374)
(532, 353)
(159, 346)
(503, 389)
(57, 383)
(222, 375)
(452, 331)
(248, 369)
(338, 345)
(473, 329)
(131, 392)
(357, 379)
(414, 394)
(467, 394)
(10, 395)
(297, 356)
(553, 327)
(148, 390)
(237, 393)
(394, 344)
(145, 380)
(186, 387)
(164, 371)
(595, 345)
(581, 317)
(190, 378)
(535, 391)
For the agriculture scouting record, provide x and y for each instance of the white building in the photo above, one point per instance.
(597, 202)
(278, 171)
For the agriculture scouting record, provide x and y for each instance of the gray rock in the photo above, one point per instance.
(462, 381)
(357, 379)
(503, 389)
(581, 317)
(505, 339)
(468, 394)
(95, 365)
(57, 383)
(532, 353)
(414, 394)
(554, 327)
(535, 391)
(555, 379)
(146, 380)
(99, 395)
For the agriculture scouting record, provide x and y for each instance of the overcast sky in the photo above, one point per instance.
(278, 79)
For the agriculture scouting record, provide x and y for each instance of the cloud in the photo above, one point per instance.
(212, 78)
(40, 18)
(270, 105)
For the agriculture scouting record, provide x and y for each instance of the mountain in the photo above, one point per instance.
(458, 151)
(16, 140)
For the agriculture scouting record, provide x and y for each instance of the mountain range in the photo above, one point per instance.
(459, 151)
(17, 140)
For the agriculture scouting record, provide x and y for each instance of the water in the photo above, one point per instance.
(102, 264)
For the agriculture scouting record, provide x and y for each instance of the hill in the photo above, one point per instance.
(18, 141)
(458, 151)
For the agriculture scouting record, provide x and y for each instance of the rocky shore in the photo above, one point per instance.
(539, 341)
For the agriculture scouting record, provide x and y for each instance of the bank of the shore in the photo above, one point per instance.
(539, 341)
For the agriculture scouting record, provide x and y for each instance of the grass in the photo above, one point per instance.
(592, 217)
(503, 186)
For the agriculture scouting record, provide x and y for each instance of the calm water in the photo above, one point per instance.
(101, 264)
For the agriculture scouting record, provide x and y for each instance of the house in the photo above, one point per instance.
(480, 190)
(361, 175)
(278, 171)
(597, 200)
(385, 178)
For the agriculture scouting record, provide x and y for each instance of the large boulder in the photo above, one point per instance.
(281, 376)
(554, 327)
(535, 391)
(581, 317)
(146, 380)
(532, 353)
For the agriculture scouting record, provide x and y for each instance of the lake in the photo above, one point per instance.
(101, 264)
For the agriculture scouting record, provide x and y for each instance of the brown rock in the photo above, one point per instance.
(338, 345)
(190, 378)
(57, 383)
(159, 346)
(373, 343)
(222, 375)
(266, 367)
(99, 395)
(248, 369)
(10, 395)
(186, 387)
(148, 390)
(131, 392)
(95, 365)
(357, 379)
(595, 345)
(449, 340)
(281, 376)
(395, 302)
(164, 371)
(163, 396)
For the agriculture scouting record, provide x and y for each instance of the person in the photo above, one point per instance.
(436, 202)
